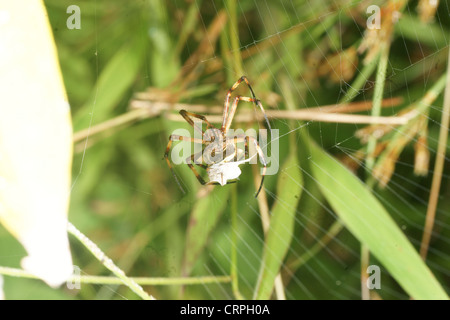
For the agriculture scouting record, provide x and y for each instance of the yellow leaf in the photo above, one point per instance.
(35, 141)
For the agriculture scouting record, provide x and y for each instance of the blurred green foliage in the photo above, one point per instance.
(124, 196)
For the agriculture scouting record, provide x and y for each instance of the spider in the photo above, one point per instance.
(226, 169)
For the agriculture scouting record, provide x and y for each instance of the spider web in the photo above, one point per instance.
(338, 272)
(334, 271)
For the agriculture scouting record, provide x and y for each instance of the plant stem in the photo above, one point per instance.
(234, 38)
(154, 281)
(107, 262)
(365, 258)
(360, 81)
(438, 169)
(234, 268)
(370, 159)
(420, 108)
(377, 99)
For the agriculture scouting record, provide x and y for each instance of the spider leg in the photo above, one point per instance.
(188, 115)
(189, 163)
(259, 104)
(264, 163)
(260, 153)
(233, 110)
(253, 99)
(174, 137)
(247, 143)
(238, 152)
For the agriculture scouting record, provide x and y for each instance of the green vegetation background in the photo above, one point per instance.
(124, 197)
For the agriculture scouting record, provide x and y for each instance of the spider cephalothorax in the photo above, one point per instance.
(221, 155)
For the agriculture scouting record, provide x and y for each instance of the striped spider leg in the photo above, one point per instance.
(174, 137)
(224, 170)
(228, 118)
(188, 117)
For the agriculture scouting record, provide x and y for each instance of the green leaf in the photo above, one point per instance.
(279, 236)
(203, 220)
(372, 225)
(114, 80)
(431, 34)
